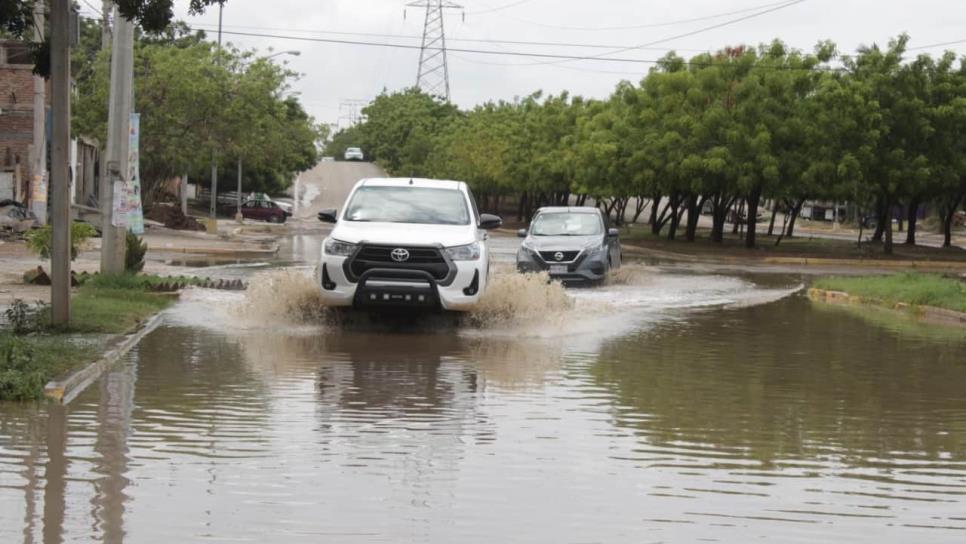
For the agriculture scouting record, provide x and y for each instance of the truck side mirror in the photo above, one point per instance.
(522, 233)
(489, 221)
(329, 215)
(613, 233)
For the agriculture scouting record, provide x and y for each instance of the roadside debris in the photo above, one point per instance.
(172, 218)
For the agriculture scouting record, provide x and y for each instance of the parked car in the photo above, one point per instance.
(572, 244)
(354, 154)
(411, 243)
(264, 210)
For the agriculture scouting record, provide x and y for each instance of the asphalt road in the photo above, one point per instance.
(328, 184)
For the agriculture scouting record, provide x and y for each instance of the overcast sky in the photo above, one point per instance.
(336, 72)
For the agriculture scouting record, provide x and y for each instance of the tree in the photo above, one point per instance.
(16, 18)
(192, 106)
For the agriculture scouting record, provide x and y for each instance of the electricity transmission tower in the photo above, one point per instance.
(433, 74)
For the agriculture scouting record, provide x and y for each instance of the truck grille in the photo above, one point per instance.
(426, 259)
(551, 256)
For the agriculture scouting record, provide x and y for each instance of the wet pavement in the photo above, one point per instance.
(673, 405)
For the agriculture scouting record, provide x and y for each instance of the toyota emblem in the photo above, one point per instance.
(399, 255)
(558, 255)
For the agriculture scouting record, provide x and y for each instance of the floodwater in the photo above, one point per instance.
(666, 407)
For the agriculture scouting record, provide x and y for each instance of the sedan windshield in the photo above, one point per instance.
(408, 205)
(566, 224)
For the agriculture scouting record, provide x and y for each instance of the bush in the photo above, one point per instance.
(134, 253)
(27, 364)
(39, 240)
(24, 319)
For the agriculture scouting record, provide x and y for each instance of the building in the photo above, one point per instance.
(16, 120)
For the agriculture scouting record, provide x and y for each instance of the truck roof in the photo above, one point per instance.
(412, 182)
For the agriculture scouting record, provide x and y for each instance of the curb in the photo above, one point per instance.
(800, 261)
(218, 251)
(64, 390)
(928, 313)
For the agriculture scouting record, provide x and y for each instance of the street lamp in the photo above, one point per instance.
(292, 52)
(238, 195)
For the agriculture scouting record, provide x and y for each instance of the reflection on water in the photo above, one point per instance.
(778, 422)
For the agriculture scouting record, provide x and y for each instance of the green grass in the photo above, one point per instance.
(802, 245)
(911, 288)
(102, 305)
(107, 309)
(28, 363)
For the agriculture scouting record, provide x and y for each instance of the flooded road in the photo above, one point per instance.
(666, 407)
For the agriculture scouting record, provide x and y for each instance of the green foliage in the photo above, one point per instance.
(39, 240)
(910, 288)
(135, 249)
(28, 363)
(738, 127)
(23, 319)
(195, 101)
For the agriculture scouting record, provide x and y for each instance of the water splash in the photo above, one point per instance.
(513, 298)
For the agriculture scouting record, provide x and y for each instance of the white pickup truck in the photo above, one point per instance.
(406, 242)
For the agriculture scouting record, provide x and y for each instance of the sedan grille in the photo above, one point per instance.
(552, 256)
(426, 259)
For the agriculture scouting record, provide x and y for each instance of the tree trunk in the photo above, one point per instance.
(694, 214)
(675, 216)
(948, 215)
(771, 224)
(658, 225)
(795, 209)
(912, 216)
(737, 210)
(719, 214)
(655, 204)
(887, 247)
(880, 215)
(753, 199)
(522, 206)
(639, 207)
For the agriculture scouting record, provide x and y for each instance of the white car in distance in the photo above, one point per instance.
(354, 154)
(406, 242)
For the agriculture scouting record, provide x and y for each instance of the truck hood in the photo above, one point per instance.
(404, 234)
(563, 243)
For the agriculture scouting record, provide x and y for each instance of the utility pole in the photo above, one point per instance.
(433, 74)
(106, 6)
(238, 214)
(214, 162)
(59, 155)
(118, 137)
(38, 152)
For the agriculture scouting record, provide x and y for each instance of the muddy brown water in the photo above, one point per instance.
(654, 421)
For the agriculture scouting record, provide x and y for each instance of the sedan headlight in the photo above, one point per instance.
(338, 247)
(469, 252)
(593, 250)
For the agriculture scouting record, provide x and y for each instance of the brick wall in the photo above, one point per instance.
(16, 119)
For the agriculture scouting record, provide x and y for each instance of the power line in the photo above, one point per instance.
(651, 25)
(555, 56)
(448, 39)
(92, 7)
(499, 8)
(688, 34)
(933, 45)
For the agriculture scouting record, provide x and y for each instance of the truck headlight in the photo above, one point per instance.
(338, 247)
(469, 252)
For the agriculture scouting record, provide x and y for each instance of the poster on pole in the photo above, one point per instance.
(135, 213)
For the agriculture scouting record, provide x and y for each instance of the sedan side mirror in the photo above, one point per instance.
(522, 233)
(613, 233)
(489, 221)
(328, 215)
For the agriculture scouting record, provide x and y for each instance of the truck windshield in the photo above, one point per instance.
(408, 205)
(566, 224)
